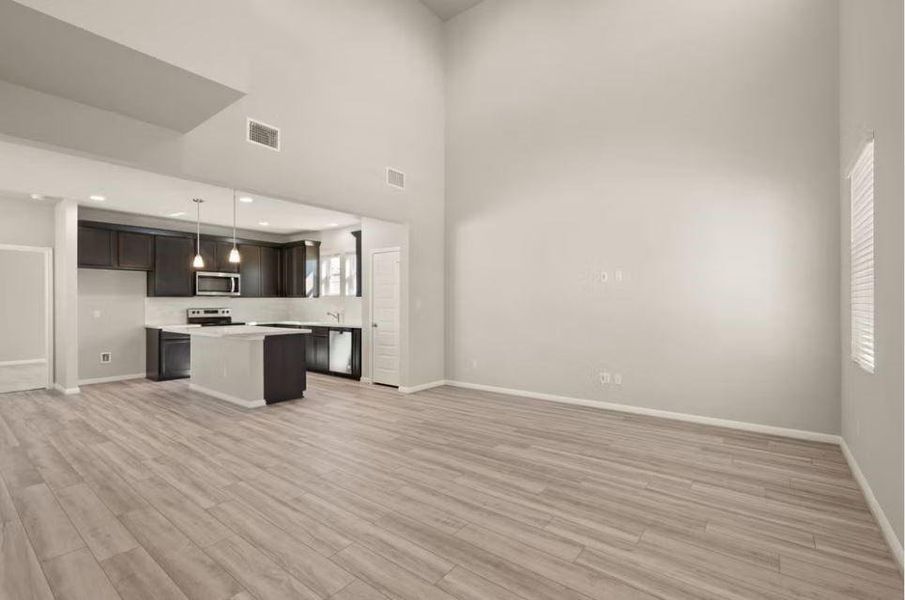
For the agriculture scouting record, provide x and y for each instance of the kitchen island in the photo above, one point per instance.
(247, 365)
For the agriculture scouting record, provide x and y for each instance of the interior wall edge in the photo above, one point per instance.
(111, 379)
(787, 432)
(889, 532)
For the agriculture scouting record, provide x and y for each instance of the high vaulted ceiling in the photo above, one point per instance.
(447, 9)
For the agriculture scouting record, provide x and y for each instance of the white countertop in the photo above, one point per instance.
(311, 324)
(239, 332)
(183, 326)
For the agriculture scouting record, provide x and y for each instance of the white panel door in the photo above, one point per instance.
(385, 317)
(25, 321)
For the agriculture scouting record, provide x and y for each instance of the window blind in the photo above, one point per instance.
(862, 259)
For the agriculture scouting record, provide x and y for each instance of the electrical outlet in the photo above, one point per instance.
(106, 357)
(473, 363)
(617, 378)
(605, 377)
(96, 314)
(618, 275)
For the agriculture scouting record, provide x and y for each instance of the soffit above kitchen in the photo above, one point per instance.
(27, 171)
(447, 9)
(46, 54)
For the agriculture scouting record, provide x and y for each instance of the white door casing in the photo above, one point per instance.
(385, 316)
(26, 318)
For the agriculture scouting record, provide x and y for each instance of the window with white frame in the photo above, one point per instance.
(350, 272)
(861, 182)
(338, 275)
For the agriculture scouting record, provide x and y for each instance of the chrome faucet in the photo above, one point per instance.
(336, 315)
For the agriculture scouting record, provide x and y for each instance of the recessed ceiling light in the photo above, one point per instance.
(333, 225)
(246, 199)
(97, 197)
(263, 223)
(37, 197)
(176, 214)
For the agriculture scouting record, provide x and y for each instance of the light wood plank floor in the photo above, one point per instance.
(145, 490)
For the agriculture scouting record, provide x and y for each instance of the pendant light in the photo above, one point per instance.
(198, 263)
(234, 253)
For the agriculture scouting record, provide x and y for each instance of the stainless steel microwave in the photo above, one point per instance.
(218, 284)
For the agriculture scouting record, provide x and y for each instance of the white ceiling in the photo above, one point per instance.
(26, 170)
(447, 9)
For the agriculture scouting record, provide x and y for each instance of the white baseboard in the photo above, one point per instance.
(111, 379)
(424, 386)
(67, 391)
(366, 380)
(799, 434)
(889, 534)
(228, 398)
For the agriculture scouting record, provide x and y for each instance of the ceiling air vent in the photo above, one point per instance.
(396, 178)
(263, 135)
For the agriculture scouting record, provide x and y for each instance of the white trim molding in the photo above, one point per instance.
(799, 434)
(889, 534)
(111, 379)
(424, 386)
(48, 312)
(227, 397)
(66, 391)
(19, 363)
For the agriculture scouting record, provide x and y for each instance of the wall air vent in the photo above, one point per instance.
(395, 178)
(263, 135)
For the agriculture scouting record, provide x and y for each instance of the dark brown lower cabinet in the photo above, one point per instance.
(167, 355)
(317, 350)
(285, 376)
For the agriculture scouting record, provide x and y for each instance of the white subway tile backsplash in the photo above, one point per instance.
(316, 309)
(171, 311)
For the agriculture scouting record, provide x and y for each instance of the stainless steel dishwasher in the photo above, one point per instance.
(341, 352)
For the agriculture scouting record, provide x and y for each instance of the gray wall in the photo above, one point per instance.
(354, 85)
(692, 146)
(871, 100)
(111, 319)
(26, 222)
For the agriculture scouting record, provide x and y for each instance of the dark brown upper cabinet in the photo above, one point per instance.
(173, 274)
(106, 248)
(357, 235)
(250, 270)
(97, 248)
(134, 251)
(300, 270)
(270, 272)
(216, 257)
(260, 270)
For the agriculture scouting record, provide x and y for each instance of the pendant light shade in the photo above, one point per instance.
(234, 253)
(198, 263)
